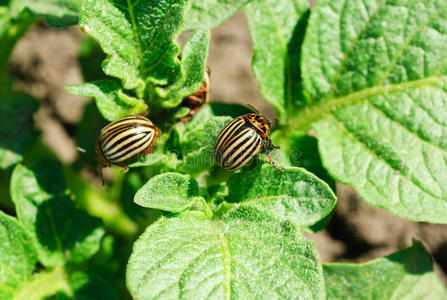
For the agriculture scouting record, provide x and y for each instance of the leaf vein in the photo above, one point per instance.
(363, 145)
(189, 263)
(130, 7)
(226, 261)
(402, 126)
(266, 282)
(53, 226)
(407, 43)
(315, 111)
(351, 48)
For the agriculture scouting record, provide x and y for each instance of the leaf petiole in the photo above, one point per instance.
(45, 284)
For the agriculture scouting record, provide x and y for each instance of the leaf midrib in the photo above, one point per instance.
(315, 111)
(130, 7)
(226, 261)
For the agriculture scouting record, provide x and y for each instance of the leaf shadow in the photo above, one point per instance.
(293, 87)
(415, 260)
(59, 225)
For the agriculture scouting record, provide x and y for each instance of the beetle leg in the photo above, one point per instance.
(272, 162)
(271, 146)
(147, 151)
(195, 98)
(124, 169)
(204, 89)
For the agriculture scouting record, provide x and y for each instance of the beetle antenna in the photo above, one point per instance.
(252, 108)
(275, 120)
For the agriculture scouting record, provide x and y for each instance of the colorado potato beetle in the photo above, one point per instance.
(124, 139)
(195, 101)
(242, 139)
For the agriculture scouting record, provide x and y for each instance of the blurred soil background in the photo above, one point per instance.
(46, 60)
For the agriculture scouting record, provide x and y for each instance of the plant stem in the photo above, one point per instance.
(203, 205)
(45, 284)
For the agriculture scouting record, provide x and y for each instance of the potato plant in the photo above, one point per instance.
(360, 93)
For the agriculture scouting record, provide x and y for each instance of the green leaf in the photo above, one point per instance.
(170, 191)
(197, 140)
(88, 286)
(296, 195)
(60, 232)
(111, 101)
(102, 203)
(131, 183)
(194, 57)
(90, 58)
(227, 109)
(303, 152)
(16, 124)
(157, 161)
(58, 13)
(376, 74)
(137, 37)
(407, 274)
(193, 257)
(217, 192)
(181, 112)
(210, 13)
(163, 157)
(18, 256)
(4, 18)
(277, 30)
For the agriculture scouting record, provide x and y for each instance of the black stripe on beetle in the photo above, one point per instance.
(125, 139)
(241, 139)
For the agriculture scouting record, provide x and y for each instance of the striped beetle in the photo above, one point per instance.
(124, 139)
(241, 139)
(195, 101)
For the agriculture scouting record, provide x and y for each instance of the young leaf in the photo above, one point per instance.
(376, 73)
(90, 57)
(407, 274)
(16, 124)
(193, 257)
(303, 152)
(198, 138)
(111, 101)
(60, 231)
(164, 156)
(58, 13)
(277, 30)
(228, 109)
(194, 57)
(170, 191)
(18, 256)
(137, 37)
(296, 195)
(210, 13)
